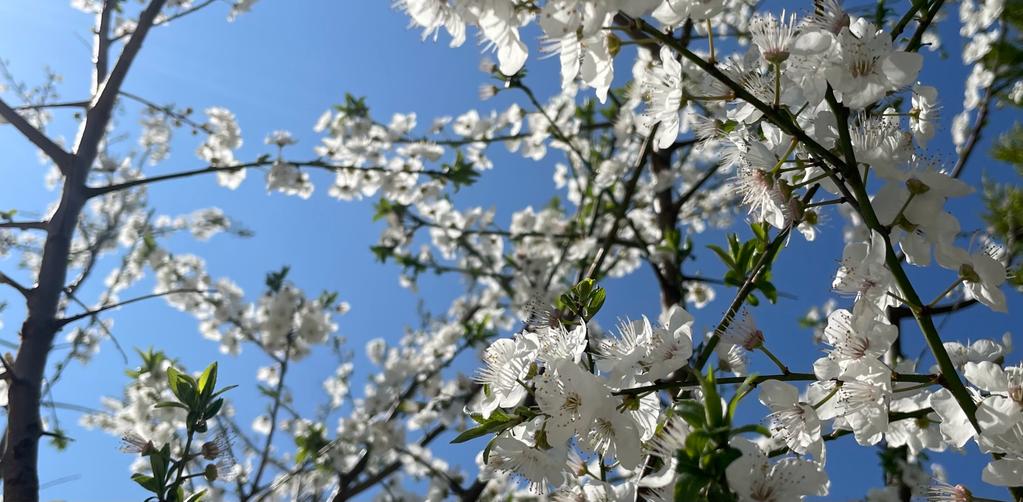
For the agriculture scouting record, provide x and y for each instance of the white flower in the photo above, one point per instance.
(557, 342)
(916, 434)
(743, 331)
(575, 32)
(663, 83)
(1002, 408)
(855, 337)
(570, 397)
(1003, 472)
(669, 440)
(773, 36)
(621, 358)
(754, 479)
(671, 344)
(675, 12)
(225, 137)
(863, 271)
(506, 362)
(614, 434)
(281, 138)
(983, 275)
(860, 402)
(955, 425)
(923, 116)
(794, 422)
(699, 294)
(287, 178)
(498, 21)
(979, 350)
(541, 468)
(865, 67)
(760, 191)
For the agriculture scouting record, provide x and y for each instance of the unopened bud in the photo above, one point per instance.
(210, 450)
(210, 472)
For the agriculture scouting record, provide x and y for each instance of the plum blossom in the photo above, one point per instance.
(754, 478)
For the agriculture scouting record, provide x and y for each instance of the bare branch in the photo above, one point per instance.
(170, 18)
(68, 320)
(623, 208)
(24, 225)
(261, 162)
(33, 134)
(63, 104)
(101, 45)
(6, 279)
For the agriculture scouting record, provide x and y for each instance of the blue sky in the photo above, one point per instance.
(280, 67)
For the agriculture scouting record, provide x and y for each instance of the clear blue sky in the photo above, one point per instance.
(280, 67)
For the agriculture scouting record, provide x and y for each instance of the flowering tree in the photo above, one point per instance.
(802, 117)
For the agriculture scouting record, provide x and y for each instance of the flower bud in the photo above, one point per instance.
(210, 472)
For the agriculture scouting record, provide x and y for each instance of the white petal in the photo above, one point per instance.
(955, 426)
(987, 375)
(1004, 472)
(997, 414)
(901, 68)
(775, 394)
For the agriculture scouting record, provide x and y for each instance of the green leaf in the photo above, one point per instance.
(692, 412)
(689, 488)
(711, 399)
(221, 391)
(760, 231)
(725, 257)
(759, 429)
(146, 482)
(197, 496)
(213, 409)
(486, 451)
(208, 379)
(158, 463)
(172, 380)
(275, 280)
(170, 404)
(744, 389)
(473, 433)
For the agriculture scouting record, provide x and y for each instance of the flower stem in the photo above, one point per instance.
(946, 292)
(826, 398)
(777, 85)
(777, 362)
(710, 40)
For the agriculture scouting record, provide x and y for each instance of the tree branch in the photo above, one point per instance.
(5, 279)
(24, 225)
(261, 162)
(68, 320)
(623, 207)
(52, 150)
(170, 18)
